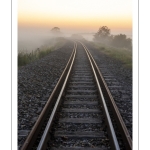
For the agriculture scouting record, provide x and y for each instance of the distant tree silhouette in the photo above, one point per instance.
(103, 36)
(55, 30)
(103, 32)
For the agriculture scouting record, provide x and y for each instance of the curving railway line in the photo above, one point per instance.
(81, 112)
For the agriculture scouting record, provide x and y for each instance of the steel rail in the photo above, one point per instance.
(42, 144)
(121, 125)
(30, 140)
(114, 141)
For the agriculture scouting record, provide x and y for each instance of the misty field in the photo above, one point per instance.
(122, 54)
(26, 57)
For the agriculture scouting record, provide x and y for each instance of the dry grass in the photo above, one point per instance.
(122, 54)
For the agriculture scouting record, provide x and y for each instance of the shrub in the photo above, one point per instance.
(122, 41)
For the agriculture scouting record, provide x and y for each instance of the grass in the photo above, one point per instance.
(122, 54)
(26, 58)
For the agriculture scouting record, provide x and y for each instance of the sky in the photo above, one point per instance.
(76, 15)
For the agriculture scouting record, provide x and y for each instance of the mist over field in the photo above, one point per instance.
(29, 39)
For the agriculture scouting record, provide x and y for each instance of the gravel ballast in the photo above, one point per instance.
(119, 81)
(37, 80)
(35, 84)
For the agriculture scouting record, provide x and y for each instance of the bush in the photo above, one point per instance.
(122, 41)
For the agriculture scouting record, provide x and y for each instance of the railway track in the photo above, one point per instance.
(80, 113)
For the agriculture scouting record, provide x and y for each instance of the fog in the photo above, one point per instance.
(29, 39)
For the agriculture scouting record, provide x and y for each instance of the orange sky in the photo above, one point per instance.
(85, 15)
(73, 23)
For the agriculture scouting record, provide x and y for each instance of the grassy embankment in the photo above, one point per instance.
(26, 58)
(124, 55)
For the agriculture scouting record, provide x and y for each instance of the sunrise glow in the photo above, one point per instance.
(86, 15)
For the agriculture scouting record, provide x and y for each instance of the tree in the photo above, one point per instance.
(55, 30)
(103, 36)
(103, 33)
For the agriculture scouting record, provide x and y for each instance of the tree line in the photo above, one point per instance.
(103, 36)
